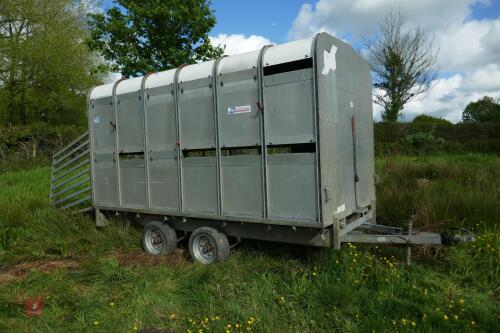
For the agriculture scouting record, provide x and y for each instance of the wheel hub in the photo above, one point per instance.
(154, 241)
(204, 249)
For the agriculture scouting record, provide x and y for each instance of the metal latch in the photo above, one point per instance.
(328, 193)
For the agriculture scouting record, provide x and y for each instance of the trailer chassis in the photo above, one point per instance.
(358, 228)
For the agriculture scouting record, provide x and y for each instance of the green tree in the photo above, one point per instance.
(484, 110)
(139, 36)
(46, 67)
(402, 58)
(425, 119)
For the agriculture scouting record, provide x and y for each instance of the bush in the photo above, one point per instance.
(24, 146)
(423, 137)
(424, 142)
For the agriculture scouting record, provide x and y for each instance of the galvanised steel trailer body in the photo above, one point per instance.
(274, 144)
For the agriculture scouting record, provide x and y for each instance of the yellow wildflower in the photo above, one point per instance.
(96, 322)
(445, 317)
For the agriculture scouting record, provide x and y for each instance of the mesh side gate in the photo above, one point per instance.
(70, 185)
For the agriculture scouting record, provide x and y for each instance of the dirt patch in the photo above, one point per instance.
(21, 270)
(139, 258)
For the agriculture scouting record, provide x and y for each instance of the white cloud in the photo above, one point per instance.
(470, 45)
(469, 49)
(238, 43)
(485, 79)
(450, 96)
(359, 18)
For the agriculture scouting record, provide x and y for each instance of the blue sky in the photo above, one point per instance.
(272, 19)
(467, 33)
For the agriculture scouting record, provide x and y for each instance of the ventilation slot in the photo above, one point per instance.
(292, 149)
(198, 152)
(288, 66)
(240, 151)
(132, 156)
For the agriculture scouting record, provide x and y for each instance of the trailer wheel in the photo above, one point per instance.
(158, 238)
(208, 245)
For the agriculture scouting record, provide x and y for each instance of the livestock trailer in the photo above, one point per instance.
(274, 144)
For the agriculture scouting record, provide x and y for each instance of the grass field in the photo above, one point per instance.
(100, 280)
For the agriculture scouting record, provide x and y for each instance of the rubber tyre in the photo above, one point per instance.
(158, 238)
(207, 245)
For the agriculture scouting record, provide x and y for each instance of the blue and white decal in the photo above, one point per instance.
(239, 109)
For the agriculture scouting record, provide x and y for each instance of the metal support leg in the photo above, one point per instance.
(336, 234)
(408, 247)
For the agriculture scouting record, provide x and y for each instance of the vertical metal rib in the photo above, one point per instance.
(215, 97)
(260, 70)
(175, 86)
(146, 141)
(116, 153)
(315, 102)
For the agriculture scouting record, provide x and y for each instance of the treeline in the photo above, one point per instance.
(436, 137)
(46, 67)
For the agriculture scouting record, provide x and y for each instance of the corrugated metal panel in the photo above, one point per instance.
(242, 185)
(239, 115)
(199, 185)
(289, 107)
(292, 187)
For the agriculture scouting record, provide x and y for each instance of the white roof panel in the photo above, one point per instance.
(238, 62)
(129, 85)
(196, 71)
(102, 91)
(160, 79)
(299, 49)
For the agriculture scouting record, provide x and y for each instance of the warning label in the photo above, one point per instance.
(239, 109)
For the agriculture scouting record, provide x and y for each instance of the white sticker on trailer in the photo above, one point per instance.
(329, 60)
(340, 208)
(239, 109)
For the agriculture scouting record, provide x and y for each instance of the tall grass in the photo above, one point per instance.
(461, 190)
(30, 228)
(265, 287)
